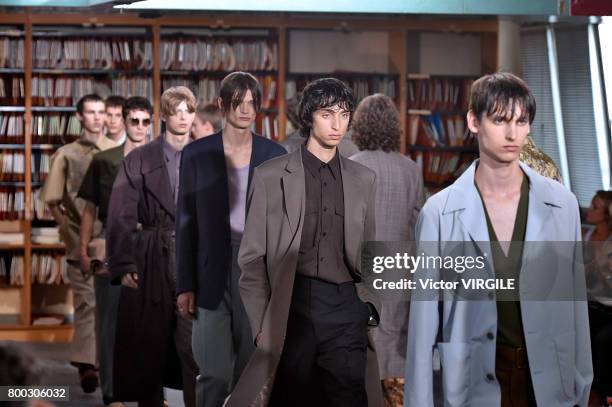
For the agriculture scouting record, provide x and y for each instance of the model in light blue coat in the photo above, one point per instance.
(556, 332)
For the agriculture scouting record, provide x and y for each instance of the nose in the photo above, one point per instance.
(511, 131)
(335, 122)
(244, 108)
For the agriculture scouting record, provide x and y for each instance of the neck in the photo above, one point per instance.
(177, 141)
(323, 153)
(129, 145)
(498, 178)
(92, 137)
(236, 137)
(115, 136)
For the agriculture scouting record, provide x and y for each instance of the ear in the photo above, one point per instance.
(220, 104)
(79, 116)
(472, 122)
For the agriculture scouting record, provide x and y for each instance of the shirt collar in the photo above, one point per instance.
(313, 164)
(169, 151)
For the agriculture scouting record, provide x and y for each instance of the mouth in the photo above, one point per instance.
(512, 149)
(244, 119)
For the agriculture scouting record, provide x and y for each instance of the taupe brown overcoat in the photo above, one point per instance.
(268, 259)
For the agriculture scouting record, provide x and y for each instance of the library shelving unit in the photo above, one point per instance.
(437, 137)
(199, 58)
(48, 60)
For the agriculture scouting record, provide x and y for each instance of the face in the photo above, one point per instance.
(597, 211)
(180, 122)
(500, 140)
(114, 120)
(244, 115)
(92, 118)
(329, 125)
(138, 124)
(201, 129)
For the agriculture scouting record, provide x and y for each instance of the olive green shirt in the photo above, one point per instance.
(98, 181)
(509, 321)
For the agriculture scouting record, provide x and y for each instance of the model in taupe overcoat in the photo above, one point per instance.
(268, 259)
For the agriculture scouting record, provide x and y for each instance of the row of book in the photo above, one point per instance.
(11, 128)
(11, 52)
(93, 53)
(49, 268)
(207, 89)
(55, 128)
(450, 94)
(11, 269)
(442, 167)
(40, 165)
(438, 130)
(12, 90)
(12, 203)
(12, 165)
(197, 54)
(67, 90)
(362, 87)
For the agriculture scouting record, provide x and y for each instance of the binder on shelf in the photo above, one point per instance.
(363, 85)
(12, 52)
(16, 270)
(113, 53)
(11, 128)
(191, 53)
(49, 268)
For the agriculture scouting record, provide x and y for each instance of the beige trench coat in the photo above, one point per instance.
(268, 259)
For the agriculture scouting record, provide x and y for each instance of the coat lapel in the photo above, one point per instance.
(156, 178)
(541, 206)
(465, 200)
(294, 190)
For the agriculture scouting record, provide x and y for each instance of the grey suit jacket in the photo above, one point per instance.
(556, 332)
(399, 198)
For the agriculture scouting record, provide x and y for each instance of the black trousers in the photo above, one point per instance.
(324, 358)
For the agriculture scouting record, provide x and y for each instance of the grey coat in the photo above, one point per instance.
(399, 198)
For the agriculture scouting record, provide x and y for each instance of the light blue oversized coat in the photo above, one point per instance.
(556, 332)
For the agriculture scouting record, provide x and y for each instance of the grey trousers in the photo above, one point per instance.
(107, 303)
(222, 343)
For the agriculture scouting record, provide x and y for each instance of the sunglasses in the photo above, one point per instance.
(134, 122)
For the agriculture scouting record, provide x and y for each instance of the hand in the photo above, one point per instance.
(185, 303)
(85, 263)
(257, 339)
(130, 280)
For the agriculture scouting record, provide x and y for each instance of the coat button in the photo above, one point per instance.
(490, 335)
(490, 377)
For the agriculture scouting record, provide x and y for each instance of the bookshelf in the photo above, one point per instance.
(437, 137)
(35, 82)
(199, 59)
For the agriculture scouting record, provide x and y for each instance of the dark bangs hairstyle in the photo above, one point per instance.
(320, 94)
(377, 124)
(234, 87)
(136, 103)
(499, 94)
(92, 97)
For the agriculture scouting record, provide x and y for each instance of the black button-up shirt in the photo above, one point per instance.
(322, 245)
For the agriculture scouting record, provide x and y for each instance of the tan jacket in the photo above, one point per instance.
(68, 167)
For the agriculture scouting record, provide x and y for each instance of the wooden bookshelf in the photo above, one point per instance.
(29, 25)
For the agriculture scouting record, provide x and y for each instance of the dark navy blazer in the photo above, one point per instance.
(203, 248)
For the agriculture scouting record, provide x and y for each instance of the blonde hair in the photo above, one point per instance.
(172, 97)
